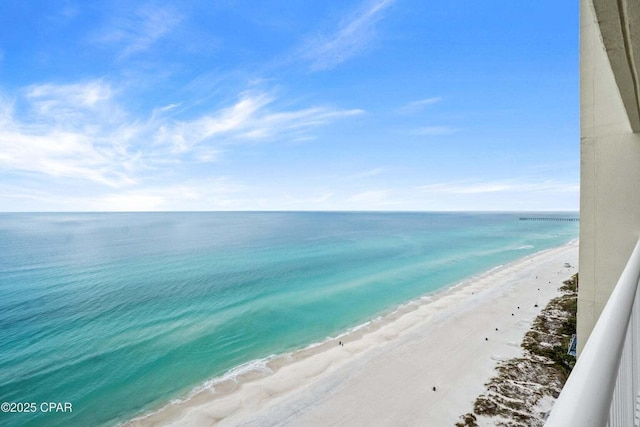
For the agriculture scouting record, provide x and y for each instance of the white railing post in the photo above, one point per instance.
(622, 403)
(587, 398)
(635, 354)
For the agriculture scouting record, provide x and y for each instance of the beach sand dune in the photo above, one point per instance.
(385, 375)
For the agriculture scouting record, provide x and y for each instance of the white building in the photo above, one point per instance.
(604, 384)
(610, 150)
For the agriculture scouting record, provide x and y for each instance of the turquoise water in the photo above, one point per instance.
(119, 313)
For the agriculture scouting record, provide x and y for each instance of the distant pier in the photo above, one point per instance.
(547, 219)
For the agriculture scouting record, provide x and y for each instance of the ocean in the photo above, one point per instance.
(107, 316)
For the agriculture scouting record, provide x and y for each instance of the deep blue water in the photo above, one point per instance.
(117, 313)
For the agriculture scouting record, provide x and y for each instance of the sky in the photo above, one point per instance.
(388, 105)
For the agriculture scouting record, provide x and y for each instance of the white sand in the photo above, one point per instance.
(384, 375)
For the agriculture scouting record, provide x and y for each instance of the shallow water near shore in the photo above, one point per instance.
(120, 313)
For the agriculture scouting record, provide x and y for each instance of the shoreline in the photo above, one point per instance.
(259, 386)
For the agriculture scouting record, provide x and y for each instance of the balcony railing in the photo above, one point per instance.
(603, 386)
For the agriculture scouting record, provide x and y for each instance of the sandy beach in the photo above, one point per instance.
(385, 372)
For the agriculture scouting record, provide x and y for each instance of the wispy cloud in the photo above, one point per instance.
(517, 194)
(138, 30)
(366, 174)
(207, 194)
(419, 105)
(80, 131)
(65, 103)
(169, 107)
(252, 118)
(65, 154)
(461, 187)
(354, 35)
(63, 134)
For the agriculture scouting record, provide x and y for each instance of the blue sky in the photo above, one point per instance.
(289, 105)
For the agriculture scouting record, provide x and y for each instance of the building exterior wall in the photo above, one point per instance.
(610, 176)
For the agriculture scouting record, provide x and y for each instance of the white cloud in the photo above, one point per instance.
(139, 30)
(69, 131)
(249, 119)
(366, 174)
(169, 107)
(79, 132)
(83, 94)
(68, 105)
(352, 37)
(370, 197)
(206, 154)
(63, 154)
(229, 119)
(458, 187)
(207, 194)
(416, 106)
